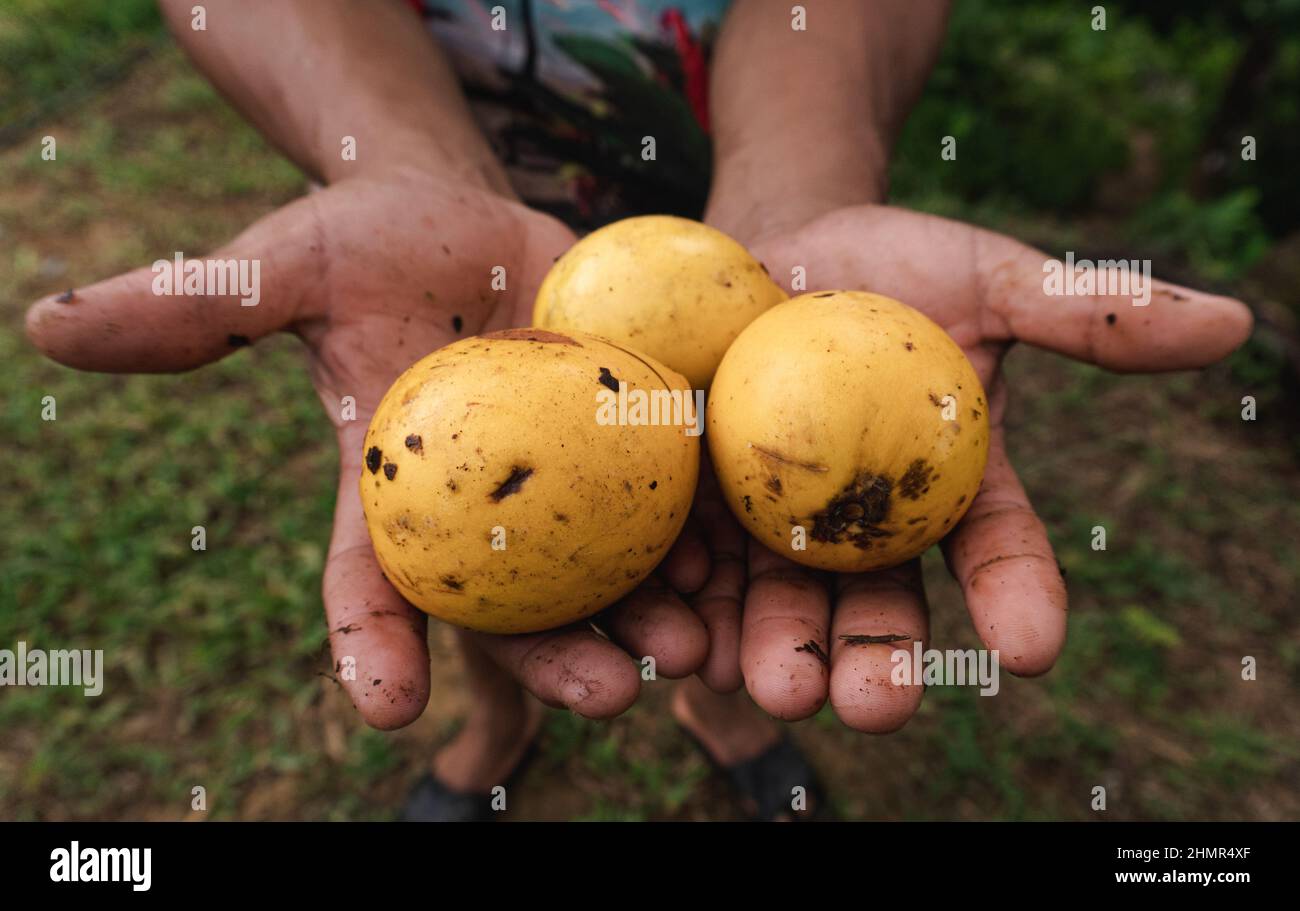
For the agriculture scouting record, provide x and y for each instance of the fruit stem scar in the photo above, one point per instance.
(806, 466)
(511, 485)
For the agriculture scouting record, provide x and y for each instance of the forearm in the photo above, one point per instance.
(804, 121)
(308, 73)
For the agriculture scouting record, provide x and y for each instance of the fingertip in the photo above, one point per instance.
(864, 695)
(1025, 620)
(38, 326)
(789, 692)
(679, 647)
(387, 706)
(600, 698)
(652, 622)
(1238, 323)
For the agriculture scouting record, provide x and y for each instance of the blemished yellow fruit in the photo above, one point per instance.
(674, 288)
(851, 425)
(497, 500)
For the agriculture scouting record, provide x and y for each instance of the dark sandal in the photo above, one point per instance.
(768, 780)
(431, 800)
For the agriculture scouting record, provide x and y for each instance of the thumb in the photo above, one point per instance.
(161, 319)
(1142, 325)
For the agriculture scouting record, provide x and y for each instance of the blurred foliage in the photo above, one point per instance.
(1045, 110)
(53, 50)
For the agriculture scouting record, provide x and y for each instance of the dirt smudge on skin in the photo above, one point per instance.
(374, 458)
(511, 485)
(855, 639)
(67, 297)
(856, 513)
(812, 648)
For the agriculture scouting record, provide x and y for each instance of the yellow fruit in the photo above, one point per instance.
(495, 498)
(676, 289)
(854, 418)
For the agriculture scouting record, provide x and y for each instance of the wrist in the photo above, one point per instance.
(764, 188)
(464, 160)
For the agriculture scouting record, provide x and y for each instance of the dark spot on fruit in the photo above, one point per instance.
(909, 346)
(915, 481)
(457, 323)
(1110, 319)
(856, 513)
(749, 504)
(451, 485)
(561, 517)
(390, 470)
(414, 443)
(825, 294)
(453, 583)
(935, 400)
(238, 341)
(816, 651)
(774, 484)
(975, 413)
(66, 297)
(654, 484)
(374, 457)
(961, 499)
(511, 485)
(915, 521)
(763, 266)
(608, 380)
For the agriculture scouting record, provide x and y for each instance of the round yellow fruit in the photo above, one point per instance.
(500, 498)
(851, 424)
(676, 289)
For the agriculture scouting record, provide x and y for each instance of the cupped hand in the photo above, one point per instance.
(373, 273)
(987, 291)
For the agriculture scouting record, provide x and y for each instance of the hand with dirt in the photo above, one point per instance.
(372, 273)
(987, 291)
